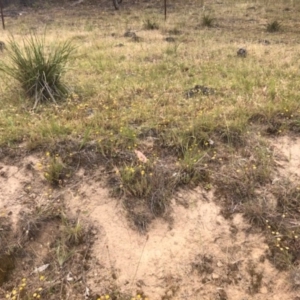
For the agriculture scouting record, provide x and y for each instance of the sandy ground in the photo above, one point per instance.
(199, 255)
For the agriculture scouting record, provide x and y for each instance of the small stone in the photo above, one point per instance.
(130, 34)
(264, 290)
(170, 39)
(242, 52)
(199, 89)
(32, 196)
(215, 276)
(219, 264)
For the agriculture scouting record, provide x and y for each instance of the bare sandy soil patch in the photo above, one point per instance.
(197, 255)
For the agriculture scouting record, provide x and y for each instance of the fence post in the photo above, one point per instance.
(165, 10)
(2, 16)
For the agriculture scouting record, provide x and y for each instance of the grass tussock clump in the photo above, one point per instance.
(274, 26)
(148, 185)
(207, 21)
(150, 25)
(55, 170)
(151, 182)
(38, 67)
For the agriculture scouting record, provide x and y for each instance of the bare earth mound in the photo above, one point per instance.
(198, 255)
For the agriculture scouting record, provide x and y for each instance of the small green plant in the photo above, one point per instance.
(150, 25)
(38, 67)
(191, 169)
(207, 21)
(74, 232)
(149, 182)
(63, 254)
(173, 49)
(135, 180)
(55, 171)
(274, 26)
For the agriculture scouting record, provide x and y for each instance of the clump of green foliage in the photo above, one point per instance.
(150, 25)
(207, 21)
(55, 171)
(38, 67)
(274, 26)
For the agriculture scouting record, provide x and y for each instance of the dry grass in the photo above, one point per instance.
(131, 95)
